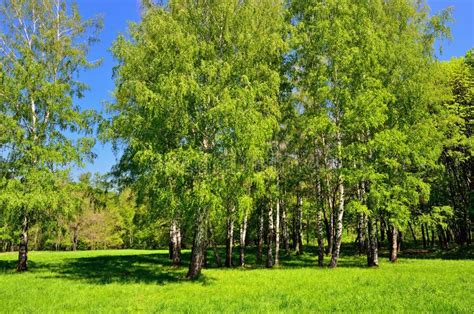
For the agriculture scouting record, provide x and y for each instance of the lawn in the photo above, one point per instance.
(143, 281)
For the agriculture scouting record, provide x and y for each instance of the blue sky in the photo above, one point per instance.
(117, 14)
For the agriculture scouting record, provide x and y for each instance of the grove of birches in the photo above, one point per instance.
(265, 126)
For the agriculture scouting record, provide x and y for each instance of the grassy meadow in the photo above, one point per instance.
(142, 281)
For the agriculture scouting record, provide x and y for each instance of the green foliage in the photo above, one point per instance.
(43, 46)
(197, 103)
(225, 107)
(364, 74)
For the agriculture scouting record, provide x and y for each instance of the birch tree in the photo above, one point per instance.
(43, 47)
(196, 103)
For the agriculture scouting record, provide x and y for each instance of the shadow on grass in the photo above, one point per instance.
(153, 268)
(156, 268)
(308, 259)
(7, 266)
(455, 253)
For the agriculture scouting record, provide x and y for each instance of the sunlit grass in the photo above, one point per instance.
(135, 280)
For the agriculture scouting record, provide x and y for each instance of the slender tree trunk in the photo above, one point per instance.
(400, 241)
(243, 233)
(389, 238)
(423, 236)
(298, 229)
(331, 230)
(394, 246)
(178, 241)
(307, 229)
(443, 242)
(432, 238)
(328, 233)
(338, 231)
(216, 255)
(277, 233)
(35, 240)
(427, 234)
(75, 236)
(23, 250)
(372, 247)
(340, 212)
(361, 236)
(413, 234)
(284, 228)
(449, 234)
(175, 245)
(440, 239)
(198, 250)
(330, 200)
(212, 242)
(294, 233)
(230, 238)
(319, 226)
(467, 222)
(260, 237)
(469, 235)
(382, 230)
(270, 237)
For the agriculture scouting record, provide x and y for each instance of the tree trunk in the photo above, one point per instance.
(212, 243)
(372, 247)
(23, 249)
(216, 255)
(328, 233)
(198, 250)
(400, 240)
(319, 226)
(449, 234)
(230, 238)
(382, 230)
(361, 233)
(432, 238)
(75, 237)
(284, 229)
(389, 231)
(468, 226)
(243, 233)
(298, 226)
(307, 228)
(340, 214)
(331, 231)
(175, 244)
(443, 242)
(270, 237)
(427, 232)
(277, 233)
(260, 237)
(394, 246)
(413, 234)
(423, 236)
(330, 201)
(294, 235)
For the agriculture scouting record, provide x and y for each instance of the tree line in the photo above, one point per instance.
(240, 121)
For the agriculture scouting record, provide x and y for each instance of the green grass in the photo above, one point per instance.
(143, 281)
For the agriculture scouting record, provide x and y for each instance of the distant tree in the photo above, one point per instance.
(453, 185)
